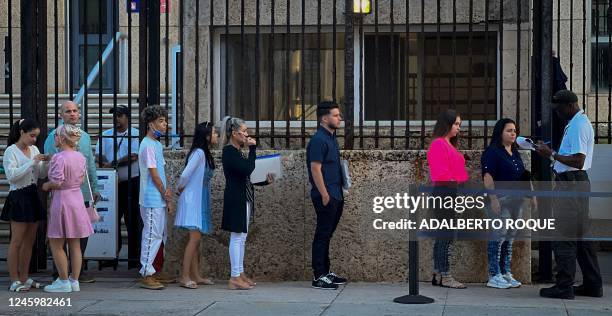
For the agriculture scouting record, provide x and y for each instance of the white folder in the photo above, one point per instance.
(265, 165)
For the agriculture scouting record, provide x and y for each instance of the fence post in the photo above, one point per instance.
(349, 75)
(34, 91)
(542, 122)
(142, 63)
(153, 51)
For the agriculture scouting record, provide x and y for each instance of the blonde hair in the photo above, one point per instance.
(69, 135)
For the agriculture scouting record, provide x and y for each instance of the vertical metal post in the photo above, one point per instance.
(154, 58)
(34, 90)
(349, 65)
(142, 63)
(542, 96)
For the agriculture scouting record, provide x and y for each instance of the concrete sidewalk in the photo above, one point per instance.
(122, 296)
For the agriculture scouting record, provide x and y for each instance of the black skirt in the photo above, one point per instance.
(24, 205)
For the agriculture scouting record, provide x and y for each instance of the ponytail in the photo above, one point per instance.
(228, 125)
(23, 125)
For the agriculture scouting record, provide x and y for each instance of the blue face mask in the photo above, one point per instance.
(156, 133)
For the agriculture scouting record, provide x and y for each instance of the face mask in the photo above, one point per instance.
(156, 133)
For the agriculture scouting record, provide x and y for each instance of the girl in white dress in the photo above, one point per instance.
(194, 204)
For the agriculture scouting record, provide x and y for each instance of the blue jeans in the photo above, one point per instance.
(444, 238)
(499, 247)
(440, 256)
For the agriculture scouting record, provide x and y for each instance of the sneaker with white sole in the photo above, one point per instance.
(336, 279)
(324, 283)
(59, 286)
(74, 284)
(498, 282)
(514, 283)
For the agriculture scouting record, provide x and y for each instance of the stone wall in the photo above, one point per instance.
(279, 242)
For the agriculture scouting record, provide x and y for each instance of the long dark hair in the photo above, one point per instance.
(24, 125)
(444, 124)
(498, 131)
(200, 140)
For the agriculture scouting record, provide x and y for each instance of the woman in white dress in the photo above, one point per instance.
(194, 204)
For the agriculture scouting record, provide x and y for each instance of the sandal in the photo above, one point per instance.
(190, 285)
(206, 281)
(238, 284)
(29, 283)
(17, 286)
(450, 282)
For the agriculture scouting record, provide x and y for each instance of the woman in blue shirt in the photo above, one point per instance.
(503, 168)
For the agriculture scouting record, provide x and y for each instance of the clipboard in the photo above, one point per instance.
(265, 165)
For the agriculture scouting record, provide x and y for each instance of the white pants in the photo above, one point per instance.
(153, 234)
(237, 246)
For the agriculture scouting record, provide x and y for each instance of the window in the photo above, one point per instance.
(600, 46)
(282, 67)
(414, 85)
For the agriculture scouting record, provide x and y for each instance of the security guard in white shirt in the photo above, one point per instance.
(570, 166)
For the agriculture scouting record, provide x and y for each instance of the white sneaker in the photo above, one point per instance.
(498, 282)
(74, 284)
(59, 286)
(511, 280)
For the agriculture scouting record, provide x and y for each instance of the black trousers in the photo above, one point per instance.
(572, 215)
(328, 218)
(130, 211)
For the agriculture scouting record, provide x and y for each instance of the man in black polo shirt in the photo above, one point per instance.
(325, 175)
(570, 165)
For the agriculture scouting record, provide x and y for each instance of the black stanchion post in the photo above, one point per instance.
(413, 296)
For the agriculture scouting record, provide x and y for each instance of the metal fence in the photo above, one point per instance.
(272, 61)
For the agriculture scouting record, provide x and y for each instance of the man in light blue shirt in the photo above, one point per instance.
(69, 113)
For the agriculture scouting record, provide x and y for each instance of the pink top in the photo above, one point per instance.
(446, 163)
(68, 217)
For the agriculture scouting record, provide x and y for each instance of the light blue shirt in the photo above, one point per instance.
(151, 155)
(84, 147)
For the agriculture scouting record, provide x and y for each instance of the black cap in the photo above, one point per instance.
(564, 97)
(121, 109)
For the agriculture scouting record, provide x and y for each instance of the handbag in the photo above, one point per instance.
(94, 217)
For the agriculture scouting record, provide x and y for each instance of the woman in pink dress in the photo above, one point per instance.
(68, 220)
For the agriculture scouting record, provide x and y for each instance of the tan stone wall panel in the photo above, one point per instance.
(279, 242)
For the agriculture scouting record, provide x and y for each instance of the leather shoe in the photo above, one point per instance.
(555, 292)
(581, 290)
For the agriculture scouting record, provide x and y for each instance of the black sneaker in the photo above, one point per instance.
(324, 283)
(581, 290)
(336, 279)
(555, 292)
(86, 278)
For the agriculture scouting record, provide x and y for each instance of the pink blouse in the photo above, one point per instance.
(446, 163)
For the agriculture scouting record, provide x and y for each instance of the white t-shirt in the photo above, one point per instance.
(122, 144)
(578, 138)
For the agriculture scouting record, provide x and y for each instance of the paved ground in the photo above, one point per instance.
(117, 293)
(121, 296)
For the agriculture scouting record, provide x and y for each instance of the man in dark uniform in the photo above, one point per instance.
(570, 166)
